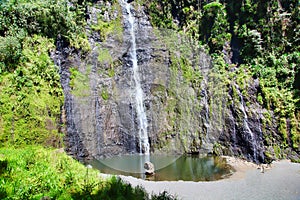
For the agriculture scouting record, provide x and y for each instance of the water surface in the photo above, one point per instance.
(167, 167)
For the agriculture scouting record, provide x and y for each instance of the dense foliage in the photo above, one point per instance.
(248, 39)
(38, 173)
(31, 96)
(31, 101)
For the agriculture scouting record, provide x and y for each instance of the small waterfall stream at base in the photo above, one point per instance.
(247, 128)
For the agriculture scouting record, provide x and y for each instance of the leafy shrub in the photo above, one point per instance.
(35, 172)
(31, 96)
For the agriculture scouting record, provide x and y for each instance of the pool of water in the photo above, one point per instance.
(167, 167)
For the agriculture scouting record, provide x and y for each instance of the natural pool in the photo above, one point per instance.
(167, 167)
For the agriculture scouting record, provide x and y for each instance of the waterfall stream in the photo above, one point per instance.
(253, 141)
(246, 125)
(138, 92)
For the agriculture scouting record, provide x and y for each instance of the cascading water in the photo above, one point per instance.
(141, 113)
(233, 135)
(206, 141)
(205, 98)
(246, 125)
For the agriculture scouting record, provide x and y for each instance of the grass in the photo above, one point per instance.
(34, 172)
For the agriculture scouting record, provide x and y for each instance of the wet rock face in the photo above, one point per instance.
(188, 108)
(100, 109)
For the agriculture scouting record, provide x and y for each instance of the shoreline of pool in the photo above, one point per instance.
(280, 181)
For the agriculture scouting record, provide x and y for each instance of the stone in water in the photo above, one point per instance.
(149, 168)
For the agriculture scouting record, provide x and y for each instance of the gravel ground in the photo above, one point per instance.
(280, 181)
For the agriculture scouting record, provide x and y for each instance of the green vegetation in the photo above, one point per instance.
(107, 62)
(80, 82)
(31, 95)
(113, 26)
(105, 94)
(104, 56)
(51, 19)
(35, 172)
(265, 40)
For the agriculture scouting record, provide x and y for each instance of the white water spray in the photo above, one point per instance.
(245, 121)
(141, 114)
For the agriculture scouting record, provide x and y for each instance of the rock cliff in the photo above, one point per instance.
(190, 106)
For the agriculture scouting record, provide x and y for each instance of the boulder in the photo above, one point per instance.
(149, 168)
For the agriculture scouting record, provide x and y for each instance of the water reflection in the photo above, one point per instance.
(170, 168)
(193, 168)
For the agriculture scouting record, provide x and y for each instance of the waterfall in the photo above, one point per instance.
(205, 113)
(253, 141)
(207, 125)
(141, 113)
(246, 125)
(234, 139)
